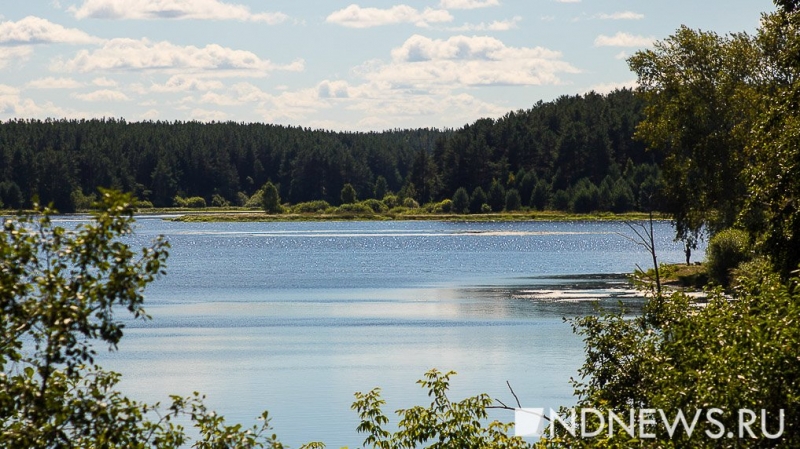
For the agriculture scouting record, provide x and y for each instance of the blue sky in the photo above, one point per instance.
(331, 64)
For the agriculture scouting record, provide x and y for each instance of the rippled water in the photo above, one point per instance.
(296, 317)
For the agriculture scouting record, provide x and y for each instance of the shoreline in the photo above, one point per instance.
(201, 216)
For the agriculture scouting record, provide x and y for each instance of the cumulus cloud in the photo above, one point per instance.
(104, 82)
(35, 30)
(605, 88)
(12, 105)
(467, 4)
(182, 83)
(172, 9)
(461, 61)
(622, 39)
(138, 55)
(104, 95)
(355, 16)
(497, 25)
(205, 115)
(53, 83)
(14, 54)
(622, 15)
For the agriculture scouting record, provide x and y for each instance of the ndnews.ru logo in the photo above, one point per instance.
(644, 423)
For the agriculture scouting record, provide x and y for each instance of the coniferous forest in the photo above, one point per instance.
(576, 153)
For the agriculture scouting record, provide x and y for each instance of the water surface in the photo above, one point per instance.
(295, 317)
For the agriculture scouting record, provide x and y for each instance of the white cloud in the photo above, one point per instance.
(12, 105)
(460, 61)
(497, 25)
(467, 4)
(137, 55)
(35, 30)
(205, 115)
(150, 114)
(568, 1)
(621, 55)
(355, 16)
(604, 88)
(182, 83)
(53, 83)
(104, 82)
(104, 95)
(623, 40)
(172, 9)
(14, 54)
(622, 15)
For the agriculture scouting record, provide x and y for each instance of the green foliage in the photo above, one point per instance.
(477, 200)
(311, 207)
(540, 195)
(730, 355)
(461, 204)
(497, 196)
(218, 201)
(442, 424)
(196, 202)
(586, 197)
(391, 201)
(179, 201)
(410, 203)
(486, 209)
(354, 209)
(82, 202)
(60, 290)
(381, 187)
(442, 207)
(270, 199)
(11, 195)
(348, 194)
(513, 200)
(701, 93)
(560, 200)
(256, 201)
(375, 205)
(726, 250)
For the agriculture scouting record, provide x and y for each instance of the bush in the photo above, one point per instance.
(219, 201)
(442, 207)
(410, 203)
(477, 200)
(196, 202)
(348, 194)
(485, 208)
(270, 199)
(375, 205)
(354, 208)
(241, 199)
(144, 204)
(179, 201)
(726, 250)
(391, 201)
(311, 207)
(255, 201)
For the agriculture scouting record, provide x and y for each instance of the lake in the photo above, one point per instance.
(295, 317)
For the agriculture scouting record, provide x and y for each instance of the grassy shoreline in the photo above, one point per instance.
(259, 216)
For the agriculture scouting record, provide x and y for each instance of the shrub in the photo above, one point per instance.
(311, 207)
(726, 250)
(442, 207)
(391, 201)
(144, 204)
(540, 196)
(255, 201)
(348, 194)
(485, 208)
(219, 201)
(497, 196)
(375, 205)
(354, 208)
(196, 202)
(179, 201)
(410, 203)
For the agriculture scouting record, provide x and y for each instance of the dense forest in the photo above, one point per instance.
(574, 153)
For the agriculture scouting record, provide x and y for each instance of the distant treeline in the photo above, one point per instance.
(575, 153)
